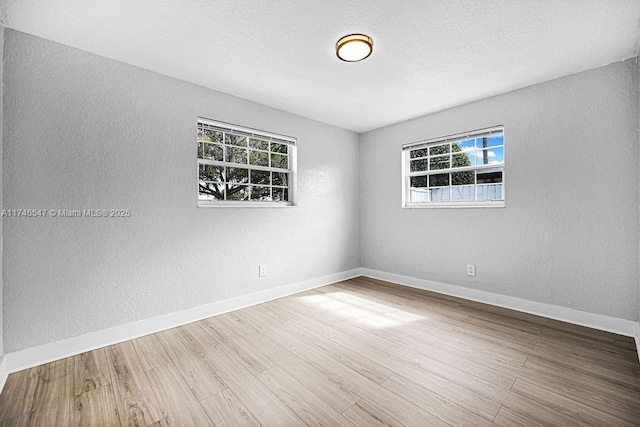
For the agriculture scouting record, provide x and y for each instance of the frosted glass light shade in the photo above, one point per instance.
(354, 47)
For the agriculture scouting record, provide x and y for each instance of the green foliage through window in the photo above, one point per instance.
(234, 166)
(460, 168)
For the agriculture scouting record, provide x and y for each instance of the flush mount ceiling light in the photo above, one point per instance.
(354, 47)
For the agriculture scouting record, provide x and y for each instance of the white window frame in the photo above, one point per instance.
(407, 174)
(258, 134)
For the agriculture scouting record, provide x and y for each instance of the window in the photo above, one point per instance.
(461, 170)
(244, 167)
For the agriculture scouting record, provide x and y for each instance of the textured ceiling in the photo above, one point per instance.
(428, 55)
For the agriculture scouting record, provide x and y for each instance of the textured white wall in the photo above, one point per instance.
(569, 232)
(1, 149)
(83, 131)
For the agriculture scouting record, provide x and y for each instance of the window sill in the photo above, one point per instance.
(455, 205)
(245, 205)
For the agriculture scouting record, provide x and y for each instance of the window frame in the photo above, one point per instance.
(407, 174)
(291, 142)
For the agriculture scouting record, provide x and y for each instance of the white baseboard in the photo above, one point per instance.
(591, 320)
(34, 356)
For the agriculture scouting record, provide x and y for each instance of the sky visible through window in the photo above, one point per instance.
(495, 150)
(458, 170)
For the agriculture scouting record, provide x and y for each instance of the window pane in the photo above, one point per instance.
(280, 178)
(279, 161)
(494, 141)
(439, 149)
(258, 158)
(211, 173)
(280, 194)
(237, 192)
(212, 136)
(496, 155)
(442, 162)
(210, 191)
(423, 152)
(279, 148)
(466, 145)
(260, 177)
(237, 175)
(418, 195)
(212, 152)
(462, 178)
(490, 192)
(245, 166)
(262, 194)
(419, 165)
(482, 157)
(438, 180)
(258, 143)
(489, 176)
(482, 143)
(461, 160)
(467, 170)
(418, 181)
(490, 156)
(240, 141)
(440, 194)
(237, 155)
(463, 193)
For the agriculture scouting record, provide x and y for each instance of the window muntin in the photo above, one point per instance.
(458, 170)
(240, 166)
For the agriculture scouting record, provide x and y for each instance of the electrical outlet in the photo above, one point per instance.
(471, 270)
(262, 270)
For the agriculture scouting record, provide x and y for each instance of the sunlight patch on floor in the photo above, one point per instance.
(361, 310)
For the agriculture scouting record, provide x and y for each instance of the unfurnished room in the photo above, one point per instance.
(329, 213)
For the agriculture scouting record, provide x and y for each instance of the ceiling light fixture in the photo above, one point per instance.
(354, 47)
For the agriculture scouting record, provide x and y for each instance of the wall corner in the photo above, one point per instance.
(1, 169)
(637, 76)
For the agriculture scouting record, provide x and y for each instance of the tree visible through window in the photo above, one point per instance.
(459, 170)
(243, 165)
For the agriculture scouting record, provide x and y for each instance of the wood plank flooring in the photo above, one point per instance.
(361, 352)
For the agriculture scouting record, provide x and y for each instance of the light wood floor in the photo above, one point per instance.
(361, 352)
